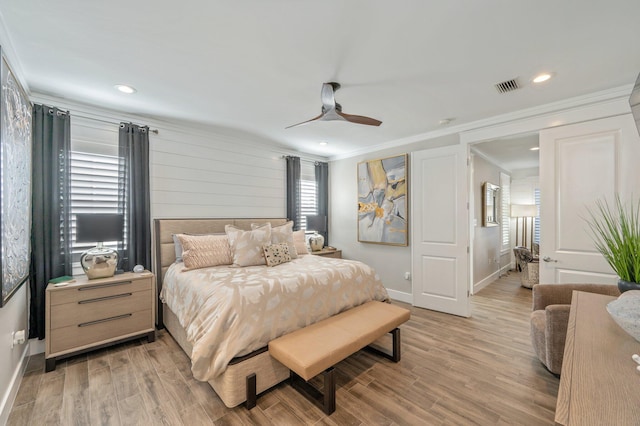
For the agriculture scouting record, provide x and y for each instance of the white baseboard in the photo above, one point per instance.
(400, 296)
(36, 346)
(12, 390)
(491, 278)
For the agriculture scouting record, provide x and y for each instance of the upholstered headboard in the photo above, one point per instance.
(165, 253)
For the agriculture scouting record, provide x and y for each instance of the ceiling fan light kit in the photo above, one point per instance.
(332, 111)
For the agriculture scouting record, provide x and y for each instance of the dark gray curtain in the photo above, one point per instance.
(293, 191)
(133, 200)
(322, 186)
(51, 210)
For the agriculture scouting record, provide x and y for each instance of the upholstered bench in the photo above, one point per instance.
(318, 347)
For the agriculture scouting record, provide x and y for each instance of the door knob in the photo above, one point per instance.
(548, 259)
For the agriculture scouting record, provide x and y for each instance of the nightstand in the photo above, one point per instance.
(336, 254)
(91, 314)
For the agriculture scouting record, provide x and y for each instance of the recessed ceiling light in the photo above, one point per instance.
(535, 148)
(125, 89)
(540, 78)
(323, 143)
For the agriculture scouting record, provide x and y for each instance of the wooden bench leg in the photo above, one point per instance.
(395, 355)
(329, 391)
(251, 391)
(326, 400)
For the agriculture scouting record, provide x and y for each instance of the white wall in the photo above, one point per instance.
(487, 241)
(13, 317)
(391, 262)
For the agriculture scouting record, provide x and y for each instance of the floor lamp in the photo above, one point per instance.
(524, 211)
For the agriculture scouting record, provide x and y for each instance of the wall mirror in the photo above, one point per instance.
(490, 204)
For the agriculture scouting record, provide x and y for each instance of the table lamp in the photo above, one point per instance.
(316, 223)
(100, 261)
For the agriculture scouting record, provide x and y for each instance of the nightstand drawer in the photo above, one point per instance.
(72, 294)
(86, 333)
(88, 310)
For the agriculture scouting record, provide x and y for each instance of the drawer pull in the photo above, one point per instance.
(100, 299)
(86, 324)
(93, 287)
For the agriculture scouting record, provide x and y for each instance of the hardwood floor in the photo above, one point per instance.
(480, 370)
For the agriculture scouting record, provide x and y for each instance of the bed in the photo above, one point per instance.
(226, 362)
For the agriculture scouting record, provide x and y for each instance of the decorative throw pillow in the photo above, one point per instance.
(300, 242)
(276, 254)
(282, 234)
(178, 245)
(202, 251)
(246, 246)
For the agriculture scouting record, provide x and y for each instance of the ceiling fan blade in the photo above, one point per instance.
(305, 122)
(359, 119)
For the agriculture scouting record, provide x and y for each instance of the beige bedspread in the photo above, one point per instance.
(229, 312)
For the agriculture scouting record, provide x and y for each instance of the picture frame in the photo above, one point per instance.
(383, 201)
(15, 182)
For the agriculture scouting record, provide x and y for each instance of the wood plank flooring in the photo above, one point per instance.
(454, 371)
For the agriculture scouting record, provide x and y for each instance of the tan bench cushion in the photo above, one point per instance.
(311, 350)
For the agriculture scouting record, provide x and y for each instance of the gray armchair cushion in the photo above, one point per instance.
(550, 318)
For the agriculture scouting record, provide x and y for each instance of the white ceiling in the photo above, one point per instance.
(258, 65)
(512, 153)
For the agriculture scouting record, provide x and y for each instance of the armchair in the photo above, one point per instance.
(550, 317)
(528, 264)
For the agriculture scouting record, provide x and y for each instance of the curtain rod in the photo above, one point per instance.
(109, 122)
(306, 160)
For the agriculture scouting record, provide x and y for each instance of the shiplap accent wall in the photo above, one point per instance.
(195, 170)
(200, 175)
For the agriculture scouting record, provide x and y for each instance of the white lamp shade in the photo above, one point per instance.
(524, 210)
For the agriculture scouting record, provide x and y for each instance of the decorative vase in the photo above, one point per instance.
(624, 311)
(99, 262)
(627, 285)
(316, 242)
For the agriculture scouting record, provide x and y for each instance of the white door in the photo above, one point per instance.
(440, 229)
(579, 164)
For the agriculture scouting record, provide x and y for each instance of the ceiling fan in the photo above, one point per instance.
(331, 110)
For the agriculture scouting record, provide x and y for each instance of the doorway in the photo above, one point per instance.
(511, 163)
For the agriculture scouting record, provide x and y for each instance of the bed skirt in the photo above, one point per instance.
(231, 385)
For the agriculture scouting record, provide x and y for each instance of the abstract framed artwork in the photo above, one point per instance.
(383, 201)
(15, 182)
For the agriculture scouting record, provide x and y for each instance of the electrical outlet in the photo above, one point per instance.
(407, 276)
(17, 338)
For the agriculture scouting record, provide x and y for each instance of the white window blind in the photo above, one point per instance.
(505, 203)
(308, 193)
(94, 189)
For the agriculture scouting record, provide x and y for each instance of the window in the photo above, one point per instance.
(308, 192)
(94, 189)
(94, 176)
(505, 203)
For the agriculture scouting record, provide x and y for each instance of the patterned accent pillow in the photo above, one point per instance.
(282, 234)
(276, 254)
(246, 246)
(300, 242)
(202, 251)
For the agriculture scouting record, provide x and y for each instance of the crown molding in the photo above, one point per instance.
(574, 103)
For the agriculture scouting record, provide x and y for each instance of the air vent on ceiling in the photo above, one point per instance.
(508, 86)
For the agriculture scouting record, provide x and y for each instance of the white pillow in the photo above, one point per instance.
(282, 234)
(300, 242)
(246, 246)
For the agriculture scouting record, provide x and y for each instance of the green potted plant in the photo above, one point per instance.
(616, 233)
